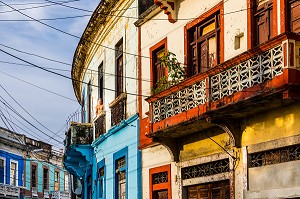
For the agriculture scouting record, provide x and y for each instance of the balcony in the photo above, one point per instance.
(255, 81)
(118, 109)
(34, 192)
(99, 125)
(78, 148)
(46, 194)
(8, 191)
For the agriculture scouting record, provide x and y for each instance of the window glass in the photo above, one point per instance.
(13, 173)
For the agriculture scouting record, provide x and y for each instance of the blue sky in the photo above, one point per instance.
(31, 37)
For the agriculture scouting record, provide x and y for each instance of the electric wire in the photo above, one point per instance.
(22, 107)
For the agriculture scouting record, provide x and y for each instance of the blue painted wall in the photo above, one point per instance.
(17, 158)
(120, 140)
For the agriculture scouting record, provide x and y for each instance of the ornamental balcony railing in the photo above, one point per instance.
(255, 70)
(118, 109)
(9, 191)
(79, 133)
(99, 125)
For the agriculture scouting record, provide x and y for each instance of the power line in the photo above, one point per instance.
(33, 3)
(44, 19)
(44, 89)
(42, 6)
(26, 110)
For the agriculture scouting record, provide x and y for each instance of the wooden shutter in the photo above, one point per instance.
(159, 70)
(264, 24)
(295, 16)
(203, 56)
(120, 75)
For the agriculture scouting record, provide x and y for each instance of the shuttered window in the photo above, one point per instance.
(203, 40)
(119, 68)
(294, 11)
(216, 190)
(263, 19)
(158, 68)
(33, 176)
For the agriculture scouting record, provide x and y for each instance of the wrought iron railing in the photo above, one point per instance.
(118, 110)
(255, 70)
(46, 193)
(9, 191)
(79, 133)
(276, 156)
(64, 195)
(206, 169)
(99, 125)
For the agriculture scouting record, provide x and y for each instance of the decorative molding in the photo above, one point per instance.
(169, 7)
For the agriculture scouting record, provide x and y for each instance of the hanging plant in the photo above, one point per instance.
(176, 73)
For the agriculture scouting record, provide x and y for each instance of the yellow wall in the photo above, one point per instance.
(278, 123)
(198, 144)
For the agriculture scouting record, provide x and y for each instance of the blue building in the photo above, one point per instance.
(11, 164)
(102, 147)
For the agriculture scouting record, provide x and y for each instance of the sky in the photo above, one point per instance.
(35, 102)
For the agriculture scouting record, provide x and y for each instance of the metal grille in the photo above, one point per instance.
(118, 112)
(207, 169)
(286, 154)
(121, 163)
(100, 126)
(161, 177)
(180, 101)
(247, 74)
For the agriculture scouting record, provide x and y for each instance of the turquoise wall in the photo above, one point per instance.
(117, 139)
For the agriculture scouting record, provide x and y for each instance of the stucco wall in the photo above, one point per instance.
(116, 29)
(114, 142)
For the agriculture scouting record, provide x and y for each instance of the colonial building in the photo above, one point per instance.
(102, 147)
(230, 128)
(30, 169)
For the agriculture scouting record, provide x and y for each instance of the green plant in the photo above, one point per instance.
(175, 73)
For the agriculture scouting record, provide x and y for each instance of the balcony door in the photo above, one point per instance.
(215, 190)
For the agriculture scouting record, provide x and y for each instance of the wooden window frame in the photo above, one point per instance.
(58, 179)
(4, 169)
(288, 15)
(100, 81)
(46, 167)
(33, 164)
(217, 9)
(16, 171)
(152, 51)
(251, 29)
(161, 186)
(119, 77)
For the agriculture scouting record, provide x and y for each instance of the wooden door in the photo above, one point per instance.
(161, 194)
(203, 56)
(216, 190)
(295, 16)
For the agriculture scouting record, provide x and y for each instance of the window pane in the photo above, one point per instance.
(212, 52)
(13, 173)
(208, 28)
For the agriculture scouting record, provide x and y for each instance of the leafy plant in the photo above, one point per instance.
(175, 73)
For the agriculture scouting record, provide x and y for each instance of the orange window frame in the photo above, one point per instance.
(161, 186)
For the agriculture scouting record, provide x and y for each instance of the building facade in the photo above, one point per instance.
(230, 126)
(31, 169)
(102, 148)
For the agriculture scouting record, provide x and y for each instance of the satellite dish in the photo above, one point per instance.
(78, 190)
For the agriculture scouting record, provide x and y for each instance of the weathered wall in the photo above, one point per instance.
(198, 144)
(275, 124)
(116, 29)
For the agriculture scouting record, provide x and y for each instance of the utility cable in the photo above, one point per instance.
(33, 3)
(26, 110)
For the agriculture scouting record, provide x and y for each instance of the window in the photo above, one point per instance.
(45, 179)
(203, 45)
(294, 15)
(101, 182)
(56, 180)
(119, 68)
(89, 185)
(2, 170)
(263, 21)
(66, 182)
(100, 81)
(33, 176)
(121, 177)
(13, 173)
(160, 182)
(157, 70)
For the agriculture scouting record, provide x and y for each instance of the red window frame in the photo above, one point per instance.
(153, 50)
(201, 20)
(160, 186)
(251, 24)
